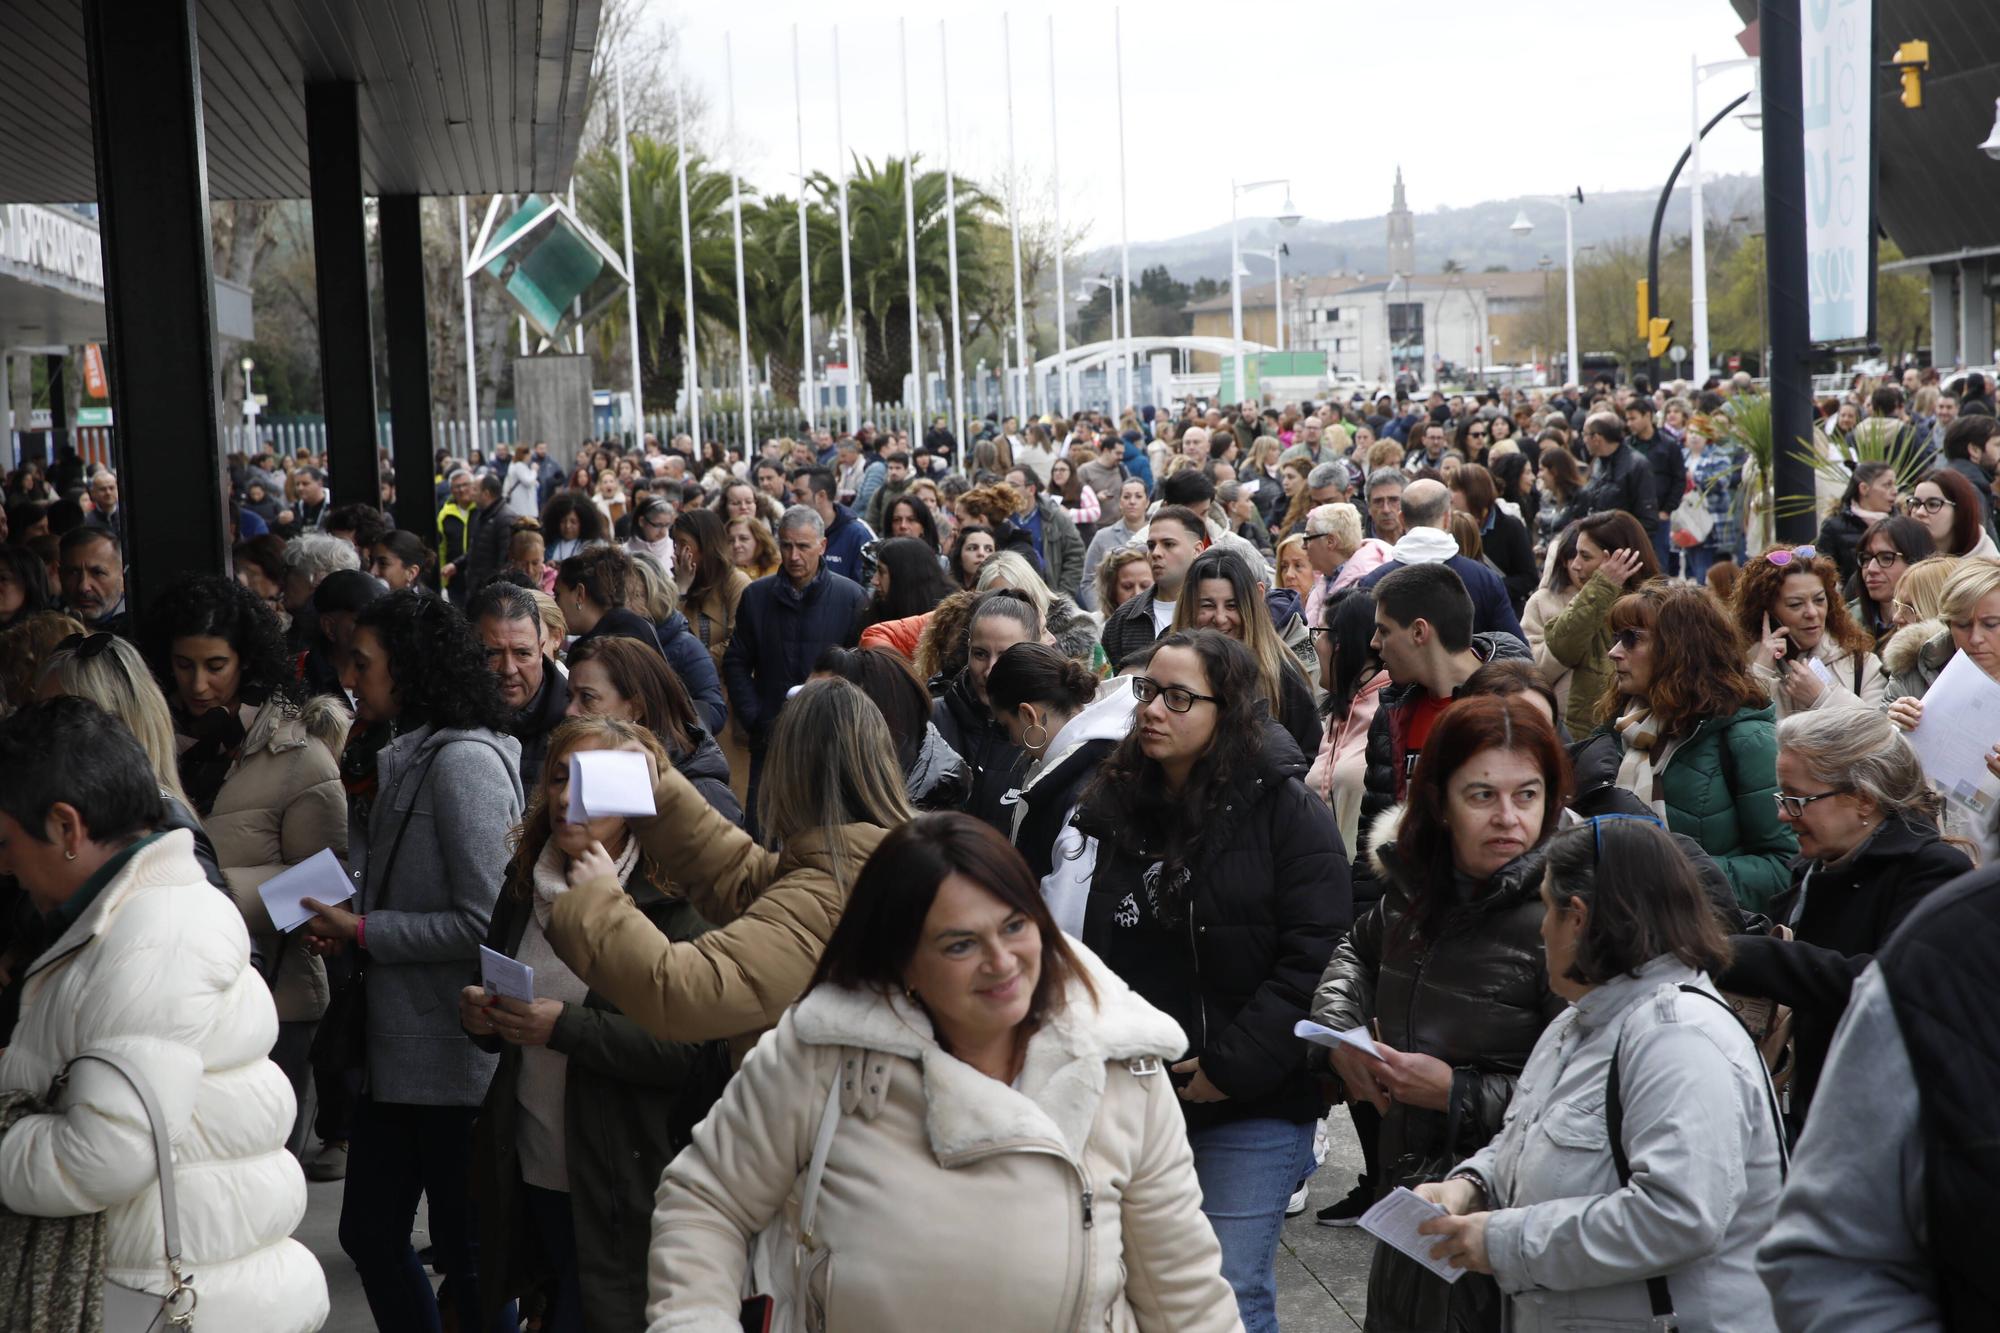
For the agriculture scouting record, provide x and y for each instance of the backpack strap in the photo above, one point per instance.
(1657, 1294)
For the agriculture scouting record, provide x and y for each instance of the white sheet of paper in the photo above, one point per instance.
(604, 783)
(319, 876)
(1321, 1035)
(1961, 723)
(1394, 1221)
(501, 975)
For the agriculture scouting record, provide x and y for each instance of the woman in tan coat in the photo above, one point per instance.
(711, 588)
(832, 789)
(962, 1081)
(259, 764)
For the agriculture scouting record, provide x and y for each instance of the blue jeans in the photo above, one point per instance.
(398, 1154)
(1247, 1170)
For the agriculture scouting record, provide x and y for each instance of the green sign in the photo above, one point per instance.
(93, 416)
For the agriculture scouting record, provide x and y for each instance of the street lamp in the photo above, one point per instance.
(1276, 255)
(1992, 145)
(1522, 226)
(1697, 220)
(1288, 216)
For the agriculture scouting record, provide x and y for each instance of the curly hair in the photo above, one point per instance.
(1762, 584)
(437, 663)
(1128, 798)
(589, 522)
(1708, 672)
(210, 606)
(941, 647)
(992, 504)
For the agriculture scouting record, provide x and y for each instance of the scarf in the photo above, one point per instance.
(214, 740)
(1638, 770)
(661, 550)
(1868, 516)
(551, 875)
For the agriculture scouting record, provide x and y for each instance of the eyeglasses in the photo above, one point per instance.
(1882, 558)
(1312, 537)
(1899, 607)
(1795, 806)
(1178, 699)
(1927, 505)
(1476, 435)
(1628, 639)
(1597, 823)
(1782, 557)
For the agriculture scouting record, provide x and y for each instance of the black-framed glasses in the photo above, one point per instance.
(1883, 558)
(1597, 823)
(1927, 504)
(1179, 699)
(1312, 537)
(1795, 806)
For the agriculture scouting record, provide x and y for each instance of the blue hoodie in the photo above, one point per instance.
(845, 537)
(1136, 461)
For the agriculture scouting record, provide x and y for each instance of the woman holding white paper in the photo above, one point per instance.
(1971, 607)
(1641, 1160)
(586, 1107)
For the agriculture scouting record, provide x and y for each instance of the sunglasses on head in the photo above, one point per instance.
(1597, 823)
(87, 646)
(1783, 557)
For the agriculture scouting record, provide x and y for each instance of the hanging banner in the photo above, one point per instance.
(1836, 38)
(94, 383)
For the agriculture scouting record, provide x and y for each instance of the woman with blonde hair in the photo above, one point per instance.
(1918, 613)
(1121, 576)
(1073, 629)
(831, 791)
(1295, 570)
(1971, 610)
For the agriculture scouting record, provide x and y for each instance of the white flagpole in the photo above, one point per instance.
(806, 399)
(736, 220)
(1124, 248)
(631, 274)
(1055, 158)
(958, 415)
(471, 349)
(693, 367)
(1022, 404)
(910, 240)
(846, 263)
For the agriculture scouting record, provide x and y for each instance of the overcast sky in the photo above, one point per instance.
(1475, 100)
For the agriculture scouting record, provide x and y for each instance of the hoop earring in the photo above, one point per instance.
(1028, 736)
(69, 856)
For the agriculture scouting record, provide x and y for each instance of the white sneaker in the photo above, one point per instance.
(1297, 1203)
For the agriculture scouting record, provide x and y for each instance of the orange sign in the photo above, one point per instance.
(94, 383)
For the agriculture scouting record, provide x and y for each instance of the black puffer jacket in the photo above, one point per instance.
(1233, 950)
(1477, 997)
(937, 779)
(993, 762)
(705, 767)
(1840, 537)
(1841, 916)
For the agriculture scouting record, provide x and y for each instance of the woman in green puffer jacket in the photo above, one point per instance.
(1697, 735)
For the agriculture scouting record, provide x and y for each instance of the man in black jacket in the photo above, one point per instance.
(1620, 478)
(1667, 464)
(509, 625)
(486, 536)
(1173, 539)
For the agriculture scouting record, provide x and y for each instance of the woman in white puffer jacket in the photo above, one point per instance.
(152, 964)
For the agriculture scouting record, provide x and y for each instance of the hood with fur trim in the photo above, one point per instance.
(1928, 641)
(281, 725)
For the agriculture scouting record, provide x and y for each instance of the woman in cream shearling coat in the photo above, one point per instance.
(951, 1198)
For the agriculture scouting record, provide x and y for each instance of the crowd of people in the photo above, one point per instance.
(1014, 801)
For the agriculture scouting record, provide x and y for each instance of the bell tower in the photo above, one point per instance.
(1402, 232)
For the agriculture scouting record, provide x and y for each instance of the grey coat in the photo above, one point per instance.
(425, 926)
(1571, 1247)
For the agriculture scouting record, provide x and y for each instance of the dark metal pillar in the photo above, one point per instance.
(1785, 267)
(1653, 243)
(408, 333)
(58, 405)
(340, 270)
(159, 295)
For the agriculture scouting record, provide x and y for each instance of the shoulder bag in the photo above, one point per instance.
(783, 1262)
(1657, 1293)
(132, 1309)
(341, 1040)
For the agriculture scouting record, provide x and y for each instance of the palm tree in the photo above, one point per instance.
(771, 281)
(656, 249)
(880, 259)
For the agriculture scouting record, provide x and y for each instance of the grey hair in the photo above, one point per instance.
(1333, 472)
(1861, 751)
(1387, 476)
(799, 516)
(456, 473)
(317, 554)
(1342, 521)
(657, 590)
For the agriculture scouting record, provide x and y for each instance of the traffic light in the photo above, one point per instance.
(1912, 59)
(1645, 305)
(1659, 337)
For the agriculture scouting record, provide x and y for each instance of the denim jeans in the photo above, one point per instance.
(1248, 1169)
(398, 1154)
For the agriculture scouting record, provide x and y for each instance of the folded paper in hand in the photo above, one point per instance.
(1320, 1035)
(608, 783)
(501, 975)
(1394, 1221)
(319, 876)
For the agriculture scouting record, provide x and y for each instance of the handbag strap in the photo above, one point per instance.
(163, 1156)
(829, 1121)
(1657, 1294)
(396, 843)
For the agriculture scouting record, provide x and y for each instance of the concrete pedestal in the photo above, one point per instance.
(552, 402)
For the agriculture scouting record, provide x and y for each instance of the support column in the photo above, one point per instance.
(1975, 311)
(1944, 316)
(408, 334)
(1785, 266)
(58, 404)
(340, 271)
(159, 293)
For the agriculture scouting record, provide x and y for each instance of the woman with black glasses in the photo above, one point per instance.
(1886, 551)
(1218, 890)
(1952, 512)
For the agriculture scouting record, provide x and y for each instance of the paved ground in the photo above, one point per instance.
(1322, 1271)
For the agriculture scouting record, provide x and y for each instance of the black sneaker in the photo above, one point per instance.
(1348, 1211)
